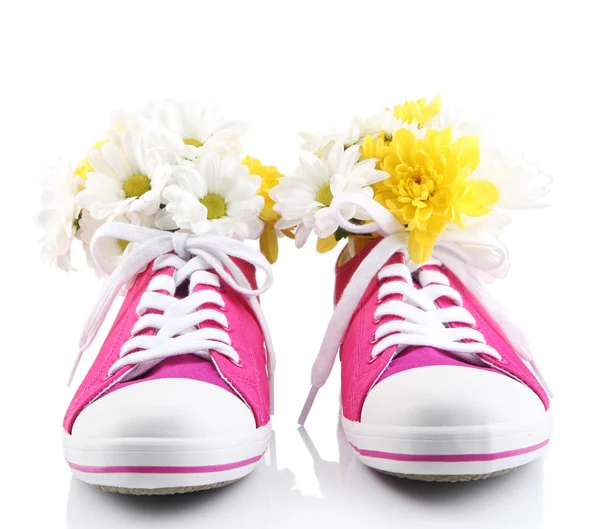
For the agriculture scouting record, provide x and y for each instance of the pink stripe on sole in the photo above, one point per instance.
(451, 458)
(163, 470)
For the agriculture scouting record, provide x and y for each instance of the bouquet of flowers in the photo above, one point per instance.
(170, 166)
(416, 166)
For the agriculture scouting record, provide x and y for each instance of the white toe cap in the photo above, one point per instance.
(450, 396)
(166, 408)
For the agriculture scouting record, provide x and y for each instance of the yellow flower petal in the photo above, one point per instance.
(479, 196)
(289, 233)
(466, 151)
(418, 111)
(270, 178)
(418, 252)
(269, 245)
(327, 244)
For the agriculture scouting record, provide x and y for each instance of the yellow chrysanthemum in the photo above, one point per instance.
(428, 185)
(270, 178)
(84, 167)
(418, 111)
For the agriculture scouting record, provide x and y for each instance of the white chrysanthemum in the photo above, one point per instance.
(58, 215)
(126, 176)
(185, 130)
(213, 195)
(521, 185)
(303, 199)
(113, 250)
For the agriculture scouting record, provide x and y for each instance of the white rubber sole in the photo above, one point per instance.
(164, 465)
(448, 453)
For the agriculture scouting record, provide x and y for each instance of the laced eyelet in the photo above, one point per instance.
(372, 358)
(373, 339)
(239, 363)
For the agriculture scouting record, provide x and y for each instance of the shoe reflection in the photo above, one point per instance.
(350, 495)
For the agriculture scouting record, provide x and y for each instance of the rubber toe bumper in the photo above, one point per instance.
(449, 423)
(165, 436)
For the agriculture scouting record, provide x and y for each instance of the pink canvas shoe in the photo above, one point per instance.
(178, 396)
(436, 384)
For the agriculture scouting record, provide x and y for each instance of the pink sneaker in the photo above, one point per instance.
(178, 396)
(436, 384)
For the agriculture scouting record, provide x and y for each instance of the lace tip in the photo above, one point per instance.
(71, 376)
(308, 405)
(76, 365)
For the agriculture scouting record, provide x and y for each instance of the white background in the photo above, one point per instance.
(287, 66)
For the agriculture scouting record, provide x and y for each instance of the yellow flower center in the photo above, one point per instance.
(215, 206)
(122, 244)
(193, 141)
(325, 196)
(415, 185)
(136, 186)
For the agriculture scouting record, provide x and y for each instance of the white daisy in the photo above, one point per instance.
(59, 215)
(383, 122)
(186, 130)
(113, 250)
(213, 195)
(126, 176)
(303, 199)
(320, 144)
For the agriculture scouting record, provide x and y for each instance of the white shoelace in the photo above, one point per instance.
(201, 259)
(417, 320)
